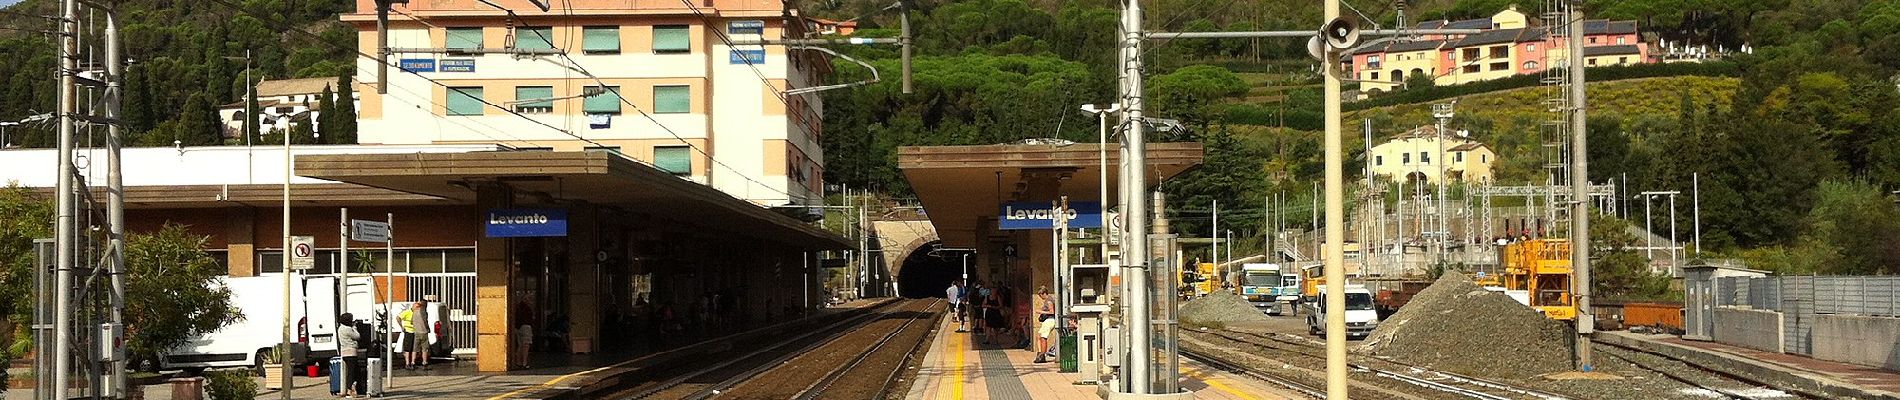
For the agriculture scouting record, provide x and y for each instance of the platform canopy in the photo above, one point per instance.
(598, 177)
(962, 187)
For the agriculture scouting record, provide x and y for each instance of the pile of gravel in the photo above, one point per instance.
(1456, 326)
(1218, 309)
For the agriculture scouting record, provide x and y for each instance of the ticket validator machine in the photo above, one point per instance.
(1090, 286)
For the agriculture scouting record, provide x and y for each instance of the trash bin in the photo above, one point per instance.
(1066, 360)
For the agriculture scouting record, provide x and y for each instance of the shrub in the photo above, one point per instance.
(1594, 74)
(230, 385)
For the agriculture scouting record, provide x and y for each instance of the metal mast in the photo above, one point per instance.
(1135, 206)
(1580, 192)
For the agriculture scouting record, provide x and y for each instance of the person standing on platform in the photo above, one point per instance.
(955, 294)
(348, 339)
(992, 313)
(524, 333)
(1046, 323)
(418, 322)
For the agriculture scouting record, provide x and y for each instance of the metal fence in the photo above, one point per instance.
(1801, 298)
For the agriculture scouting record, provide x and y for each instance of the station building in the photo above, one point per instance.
(662, 174)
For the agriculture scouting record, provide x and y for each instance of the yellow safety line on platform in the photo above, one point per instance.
(1215, 383)
(956, 385)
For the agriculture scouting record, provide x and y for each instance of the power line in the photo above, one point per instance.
(280, 23)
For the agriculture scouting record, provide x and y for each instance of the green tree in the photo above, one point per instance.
(198, 123)
(1619, 272)
(1859, 227)
(326, 120)
(345, 112)
(171, 293)
(1186, 93)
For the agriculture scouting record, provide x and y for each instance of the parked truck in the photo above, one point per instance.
(1271, 288)
(315, 306)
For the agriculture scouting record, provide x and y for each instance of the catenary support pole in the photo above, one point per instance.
(382, 48)
(66, 222)
(1580, 192)
(1334, 249)
(1695, 206)
(284, 348)
(115, 182)
(342, 286)
(389, 296)
(1141, 349)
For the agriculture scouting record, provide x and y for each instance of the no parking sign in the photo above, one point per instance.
(303, 252)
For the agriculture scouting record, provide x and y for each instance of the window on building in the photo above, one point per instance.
(672, 39)
(239, 116)
(1372, 61)
(1472, 69)
(464, 38)
(1622, 40)
(1500, 51)
(1591, 62)
(1500, 66)
(1378, 160)
(1470, 54)
(534, 38)
(1458, 157)
(1424, 158)
(606, 102)
(1530, 65)
(672, 99)
(464, 101)
(534, 99)
(1622, 60)
(1593, 40)
(677, 160)
(600, 40)
(1531, 47)
(1398, 76)
(1374, 76)
(1405, 158)
(1484, 158)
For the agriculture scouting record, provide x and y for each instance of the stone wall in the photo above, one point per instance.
(1755, 329)
(1855, 339)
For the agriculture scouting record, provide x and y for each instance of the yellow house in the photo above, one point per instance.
(1421, 153)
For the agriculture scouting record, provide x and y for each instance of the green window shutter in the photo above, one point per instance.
(534, 92)
(464, 38)
(672, 39)
(672, 99)
(607, 102)
(601, 39)
(674, 159)
(538, 38)
(465, 101)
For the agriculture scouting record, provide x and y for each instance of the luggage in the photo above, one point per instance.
(376, 382)
(339, 375)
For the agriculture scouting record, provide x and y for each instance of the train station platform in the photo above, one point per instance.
(1829, 378)
(959, 366)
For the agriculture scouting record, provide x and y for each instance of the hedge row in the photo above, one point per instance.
(1594, 74)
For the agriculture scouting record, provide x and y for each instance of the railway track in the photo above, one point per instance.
(859, 358)
(1439, 384)
(1721, 383)
(1212, 361)
(719, 371)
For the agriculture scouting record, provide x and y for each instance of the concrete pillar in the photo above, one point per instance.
(583, 277)
(492, 277)
(240, 237)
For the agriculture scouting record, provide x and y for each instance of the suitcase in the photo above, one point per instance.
(376, 383)
(339, 375)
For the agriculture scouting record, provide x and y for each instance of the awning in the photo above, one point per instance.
(597, 177)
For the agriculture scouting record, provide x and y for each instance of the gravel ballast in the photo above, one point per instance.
(1218, 309)
(1456, 326)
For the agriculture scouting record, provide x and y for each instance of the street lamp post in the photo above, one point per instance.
(1102, 156)
(250, 95)
(3, 134)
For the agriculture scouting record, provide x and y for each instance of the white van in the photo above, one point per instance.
(435, 316)
(1361, 315)
(244, 342)
(324, 308)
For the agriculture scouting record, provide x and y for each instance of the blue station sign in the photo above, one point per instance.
(417, 64)
(458, 65)
(740, 57)
(526, 222)
(1026, 215)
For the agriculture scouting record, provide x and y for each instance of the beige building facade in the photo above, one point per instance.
(1421, 153)
(653, 80)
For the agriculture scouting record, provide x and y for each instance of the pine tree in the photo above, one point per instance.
(251, 120)
(344, 116)
(326, 120)
(199, 123)
(137, 104)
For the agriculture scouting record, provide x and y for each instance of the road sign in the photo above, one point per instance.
(303, 250)
(369, 231)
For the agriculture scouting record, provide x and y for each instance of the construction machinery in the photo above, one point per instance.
(1269, 287)
(1537, 273)
(1198, 281)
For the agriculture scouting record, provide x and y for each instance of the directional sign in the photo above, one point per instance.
(303, 250)
(368, 231)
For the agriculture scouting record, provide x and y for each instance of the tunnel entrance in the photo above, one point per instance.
(927, 272)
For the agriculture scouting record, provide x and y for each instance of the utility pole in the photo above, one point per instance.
(1135, 206)
(1335, 266)
(1695, 204)
(115, 183)
(1580, 191)
(66, 222)
(1213, 234)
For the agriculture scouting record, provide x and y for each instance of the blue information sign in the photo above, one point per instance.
(458, 65)
(417, 64)
(526, 222)
(748, 57)
(1024, 215)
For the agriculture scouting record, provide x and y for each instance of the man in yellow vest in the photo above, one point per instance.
(415, 341)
